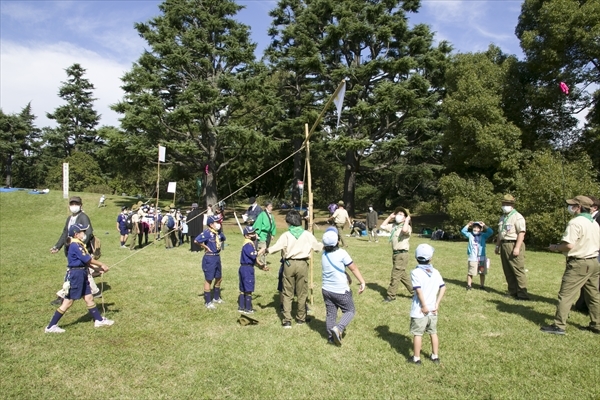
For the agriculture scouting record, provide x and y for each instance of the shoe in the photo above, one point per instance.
(337, 336)
(435, 360)
(104, 322)
(469, 287)
(57, 302)
(330, 341)
(552, 329)
(218, 301)
(287, 325)
(123, 247)
(411, 360)
(98, 295)
(591, 329)
(241, 310)
(248, 312)
(306, 320)
(483, 288)
(54, 329)
(389, 299)
(210, 306)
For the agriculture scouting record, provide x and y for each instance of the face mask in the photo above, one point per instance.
(217, 226)
(83, 237)
(370, 208)
(476, 233)
(506, 209)
(571, 209)
(252, 237)
(399, 218)
(75, 209)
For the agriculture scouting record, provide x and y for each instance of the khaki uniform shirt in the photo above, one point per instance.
(584, 235)
(296, 248)
(514, 224)
(399, 238)
(340, 216)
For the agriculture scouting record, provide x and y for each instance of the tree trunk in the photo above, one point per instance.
(9, 170)
(351, 168)
(212, 194)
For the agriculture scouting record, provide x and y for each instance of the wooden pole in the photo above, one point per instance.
(337, 90)
(310, 211)
(157, 192)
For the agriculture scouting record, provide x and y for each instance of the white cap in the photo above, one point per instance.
(330, 238)
(424, 252)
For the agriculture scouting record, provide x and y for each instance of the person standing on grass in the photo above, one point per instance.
(336, 286)
(77, 284)
(372, 218)
(510, 246)
(246, 271)
(580, 243)
(580, 304)
(211, 240)
(400, 231)
(297, 245)
(477, 260)
(265, 229)
(339, 218)
(429, 288)
(195, 222)
(122, 226)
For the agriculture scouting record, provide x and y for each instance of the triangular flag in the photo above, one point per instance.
(339, 102)
(162, 152)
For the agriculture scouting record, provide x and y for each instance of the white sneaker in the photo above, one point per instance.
(210, 306)
(218, 301)
(104, 322)
(54, 329)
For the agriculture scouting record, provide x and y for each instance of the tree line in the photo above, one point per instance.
(421, 126)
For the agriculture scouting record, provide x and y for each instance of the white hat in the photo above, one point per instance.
(424, 252)
(330, 238)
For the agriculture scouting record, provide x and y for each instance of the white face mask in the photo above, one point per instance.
(217, 226)
(507, 209)
(370, 208)
(571, 209)
(476, 233)
(75, 209)
(399, 218)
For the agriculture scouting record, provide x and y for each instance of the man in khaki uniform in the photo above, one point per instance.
(297, 245)
(580, 243)
(398, 224)
(339, 217)
(136, 227)
(510, 246)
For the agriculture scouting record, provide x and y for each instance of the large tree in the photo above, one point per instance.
(77, 119)
(192, 88)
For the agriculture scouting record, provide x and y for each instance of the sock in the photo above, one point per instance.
(416, 358)
(217, 293)
(434, 356)
(95, 313)
(248, 302)
(241, 303)
(56, 317)
(207, 297)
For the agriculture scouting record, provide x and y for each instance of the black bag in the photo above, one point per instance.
(129, 222)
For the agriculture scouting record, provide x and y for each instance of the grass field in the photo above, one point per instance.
(166, 345)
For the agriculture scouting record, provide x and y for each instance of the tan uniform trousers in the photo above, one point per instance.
(399, 275)
(579, 273)
(295, 280)
(340, 227)
(514, 270)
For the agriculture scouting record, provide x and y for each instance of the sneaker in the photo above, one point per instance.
(330, 340)
(389, 299)
(287, 325)
(241, 310)
(54, 329)
(248, 312)
(411, 360)
(483, 288)
(104, 322)
(218, 301)
(552, 329)
(337, 336)
(469, 287)
(210, 306)
(98, 295)
(435, 360)
(299, 322)
(591, 329)
(123, 247)
(57, 302)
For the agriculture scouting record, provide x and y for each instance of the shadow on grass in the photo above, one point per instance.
(401, 343)
(526, 311)
(87, 317)
(318, 326)
(378, 288)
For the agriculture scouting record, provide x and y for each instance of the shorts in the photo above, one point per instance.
(426, 324)
(211, 266)
(477, 267)
(123, 231)
(80, 285)
(247, 279)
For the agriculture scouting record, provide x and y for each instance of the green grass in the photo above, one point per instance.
(165, 345)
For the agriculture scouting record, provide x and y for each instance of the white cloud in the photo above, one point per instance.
(34, 72)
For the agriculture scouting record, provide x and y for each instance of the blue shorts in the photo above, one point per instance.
(80, 285)
(247, 279)
(211, 265)
(124, 231)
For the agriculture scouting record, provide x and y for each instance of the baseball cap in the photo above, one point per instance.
(332, 229)
(424, 252)
(211, 220)
(341, 203)
(249, 230)
(581, 201)
(76, 228)
(75, 199)
(194, 205)
(330, 238)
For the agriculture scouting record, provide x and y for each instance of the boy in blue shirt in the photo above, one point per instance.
(477, 260)
(246, 271)
(211, 240)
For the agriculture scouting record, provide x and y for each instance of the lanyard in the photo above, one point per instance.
(506, 218)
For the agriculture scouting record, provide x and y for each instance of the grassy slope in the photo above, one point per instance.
(164, 344)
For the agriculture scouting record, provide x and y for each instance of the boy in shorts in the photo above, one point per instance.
(477, 260)
(246, 271)
(211, 240)
(429, 290)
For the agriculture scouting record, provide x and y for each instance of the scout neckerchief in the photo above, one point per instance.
(507, 217)
(217, 237)
(587, 216)
(476, 239)
(427, 268)
(246, 241)
(296, 231)
(396, 226)
(81, 245)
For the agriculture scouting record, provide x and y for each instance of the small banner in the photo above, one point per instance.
(172, 187)
(162, 152)
(65, 180)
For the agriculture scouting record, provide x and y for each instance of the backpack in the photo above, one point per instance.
(129, 221)
(170, 222)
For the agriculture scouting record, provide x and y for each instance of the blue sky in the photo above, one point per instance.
(40, 39)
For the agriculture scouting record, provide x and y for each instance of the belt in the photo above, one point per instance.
(297, 259)
(509, 241)
(77, 268)
(211, 254)
(400, 251)
(580, 259)
(247, 265)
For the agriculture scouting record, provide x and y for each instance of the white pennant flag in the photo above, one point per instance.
(339, 102)
(162, 152)
(172, 187)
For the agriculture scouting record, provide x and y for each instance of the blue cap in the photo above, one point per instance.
(249, 230)
(76, 228)
(211, 220)
(330, 238)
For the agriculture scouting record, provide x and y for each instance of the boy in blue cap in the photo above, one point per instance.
(246, 272)
(76, 283)
(211, 240)
(477, 259)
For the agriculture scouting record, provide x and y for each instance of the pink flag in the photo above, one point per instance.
(564, 88)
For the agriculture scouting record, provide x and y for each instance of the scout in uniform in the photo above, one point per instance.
(211, 240)
(510, 246)
(400, 231)
(265, 229)
(339, 218)
(580, 243)
(246, 271)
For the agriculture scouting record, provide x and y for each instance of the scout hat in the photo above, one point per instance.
(508, 198)
(211, 220)
(424, 253)
(76, 228)
(75, 199)
(135, 207)
(249, 230)
(167, 209)
(402, 209)
(245, 320)
(583, 201)
(341, 203)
